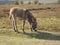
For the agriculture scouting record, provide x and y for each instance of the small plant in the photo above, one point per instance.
(29, 2)
(21, 2)
(59, 2)
(35, 1)
(16, 3)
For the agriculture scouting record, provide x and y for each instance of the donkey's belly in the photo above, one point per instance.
(20, 13)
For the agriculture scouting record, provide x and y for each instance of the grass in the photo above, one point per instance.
(47, 19)
(48, 27)
(29, 38)
(18, 41)
(47, 24)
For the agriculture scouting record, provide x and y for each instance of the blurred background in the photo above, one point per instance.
(18, 2)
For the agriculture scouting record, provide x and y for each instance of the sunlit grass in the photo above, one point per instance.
(48, 26)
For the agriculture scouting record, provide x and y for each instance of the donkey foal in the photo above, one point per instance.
(23, 14)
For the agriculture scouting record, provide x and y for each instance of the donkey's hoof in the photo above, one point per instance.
(35, 30)
(31, 30)
(16, 31)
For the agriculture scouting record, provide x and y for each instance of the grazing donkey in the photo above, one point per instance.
(23, 14)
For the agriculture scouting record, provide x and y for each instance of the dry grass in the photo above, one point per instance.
(48, 20)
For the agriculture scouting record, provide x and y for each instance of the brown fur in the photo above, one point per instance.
(23, 14)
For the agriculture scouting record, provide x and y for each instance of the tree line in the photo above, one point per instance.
(29, 2)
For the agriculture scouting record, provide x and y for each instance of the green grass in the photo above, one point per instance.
(5, 40)
(48, 26)
(9, 37)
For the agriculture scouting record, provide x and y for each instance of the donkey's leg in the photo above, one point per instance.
(31, 27)
(23, 24)
(35, 30)
(15, 26)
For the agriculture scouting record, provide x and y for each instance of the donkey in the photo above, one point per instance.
(23, 14)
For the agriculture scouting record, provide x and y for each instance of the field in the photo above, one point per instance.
(48, 19)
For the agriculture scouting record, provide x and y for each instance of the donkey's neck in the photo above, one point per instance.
(30, 19)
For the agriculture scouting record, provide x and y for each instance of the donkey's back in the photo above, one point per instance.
(17, 11)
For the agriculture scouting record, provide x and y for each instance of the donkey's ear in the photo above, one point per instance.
(26, 10)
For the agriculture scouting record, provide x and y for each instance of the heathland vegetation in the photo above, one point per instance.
(48, 19)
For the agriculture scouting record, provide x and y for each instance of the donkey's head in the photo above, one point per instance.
(34, 23)
(31, 19)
